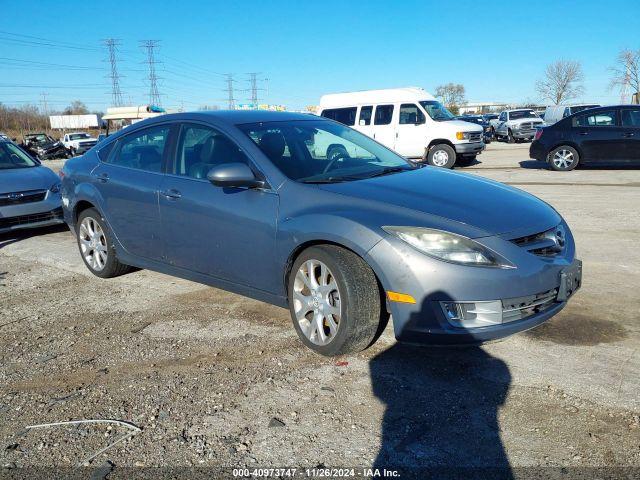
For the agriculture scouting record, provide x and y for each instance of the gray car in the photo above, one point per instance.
(246, 201)
(29, 192)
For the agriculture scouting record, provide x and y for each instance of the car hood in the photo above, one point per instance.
(488, 207)
(30, 178)
(461, 124)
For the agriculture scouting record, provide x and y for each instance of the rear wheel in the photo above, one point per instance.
(441, 155)
(564, 158)
(334, 300)
(96, 246)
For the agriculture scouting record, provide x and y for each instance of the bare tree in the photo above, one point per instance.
(452, 95)
(562, 81)
(76, 108)
(626, 73)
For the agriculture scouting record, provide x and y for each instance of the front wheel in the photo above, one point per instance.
(510, 137)
(96, 246)
(335, 301)
(564, 158)
(441, 155)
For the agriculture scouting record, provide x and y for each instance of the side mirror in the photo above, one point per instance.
(234, 175)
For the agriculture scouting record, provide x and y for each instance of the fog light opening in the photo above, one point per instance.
(473, 314)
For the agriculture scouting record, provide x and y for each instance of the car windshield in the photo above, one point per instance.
(517, 114)
(12, 157)
(78, 136)
(318, 151)
(40, 138)
(437, 111)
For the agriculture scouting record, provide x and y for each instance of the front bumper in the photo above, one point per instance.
(465, 149)
(430, 282)
(58, 152)
(32, 215)
(523, 134)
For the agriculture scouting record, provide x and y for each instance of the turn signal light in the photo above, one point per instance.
(538, 134)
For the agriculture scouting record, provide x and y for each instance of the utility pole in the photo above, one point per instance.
(154, 96)
(231, 101)
(116, 94)
(45, 106)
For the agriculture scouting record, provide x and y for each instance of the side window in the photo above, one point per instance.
(503, 117)
(630, 118)
(142, 150)
(103, 152)
(410, 114)
(346, 116)
(200, 148)
(567, 112)
(383, 115)
(365, 115)
(602, 119)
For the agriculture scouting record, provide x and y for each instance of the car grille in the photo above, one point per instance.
(87, 145)
(522, 307)
(29, 219)
(18, 198)
(530, 125)
(544, 244)
(475, 136)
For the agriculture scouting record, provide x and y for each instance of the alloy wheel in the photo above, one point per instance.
(93, 244)
(316, 302)
(563, 159)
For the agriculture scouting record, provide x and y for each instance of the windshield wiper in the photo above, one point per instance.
(332, 180)
(387, 171)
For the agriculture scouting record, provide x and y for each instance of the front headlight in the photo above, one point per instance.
(463, 135)
(449, 247)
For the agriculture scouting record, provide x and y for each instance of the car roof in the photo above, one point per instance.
(235, 117)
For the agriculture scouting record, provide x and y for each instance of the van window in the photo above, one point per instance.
(411, 114)
(383, 115)
(346, 116)
(365, 115)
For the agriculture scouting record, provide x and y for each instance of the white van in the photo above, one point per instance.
(555, 113)
(408, 120)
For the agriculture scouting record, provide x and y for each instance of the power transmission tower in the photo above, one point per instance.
(231, 101)
(253, 81)
(154, 96)
(116, 94)
(45, 106)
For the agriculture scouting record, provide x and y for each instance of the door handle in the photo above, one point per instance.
(171, 194)
(628, 134)
(102, 177)
(583, 133)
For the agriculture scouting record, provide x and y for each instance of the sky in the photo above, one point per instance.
(304, 49)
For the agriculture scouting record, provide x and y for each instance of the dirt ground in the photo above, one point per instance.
(215, 380)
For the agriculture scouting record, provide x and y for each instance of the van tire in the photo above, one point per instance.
(441, 155)
(510, 138)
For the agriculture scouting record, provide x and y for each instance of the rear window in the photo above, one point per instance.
(346, 116)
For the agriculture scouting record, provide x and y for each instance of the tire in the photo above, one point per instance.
(96, 249)
(563, 158)
(510, 138)
(441, 155)
(351, 290)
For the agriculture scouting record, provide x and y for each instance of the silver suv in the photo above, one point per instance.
(516, 125)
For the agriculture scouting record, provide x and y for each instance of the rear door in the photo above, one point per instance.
(365, 120)
(128, 182)
(410, 132)
(630, 120)
(383, 129)
(599, 136)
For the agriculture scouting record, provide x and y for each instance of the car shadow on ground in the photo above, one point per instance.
(441, 417)
(534, 165)
(18, 235)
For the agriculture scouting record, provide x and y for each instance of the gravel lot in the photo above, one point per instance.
(217, 380)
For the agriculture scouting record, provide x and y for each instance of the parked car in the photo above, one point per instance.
(479, 120)
(29, 192)
(598, 135)
(43, 147)
(77, 143)
(240, 201)
(556, 113)
(408, 120)
(516, 125)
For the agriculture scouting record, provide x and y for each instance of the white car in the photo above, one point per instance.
(555, 113)
(78, 142)
(516, 125)
(408, 120)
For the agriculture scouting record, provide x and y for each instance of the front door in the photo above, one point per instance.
(228, 233)
(410, 132)
(128, 183)
(383, 130)
(599, 136)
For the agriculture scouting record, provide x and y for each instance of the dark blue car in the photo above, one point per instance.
(252, 203)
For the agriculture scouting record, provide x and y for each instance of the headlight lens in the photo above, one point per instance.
(463, 135)
(449, 247)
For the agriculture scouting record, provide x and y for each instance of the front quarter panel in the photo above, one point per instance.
(77, 186)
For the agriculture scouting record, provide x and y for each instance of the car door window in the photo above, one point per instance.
(200, 148)
(142, 150)
(383, 115)
(503, 117)
(630, 118)
(347, 116)
(411, 114)
(599, 119)
(365, 115)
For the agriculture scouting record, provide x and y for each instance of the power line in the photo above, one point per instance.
(116, 94)
(154, 96)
